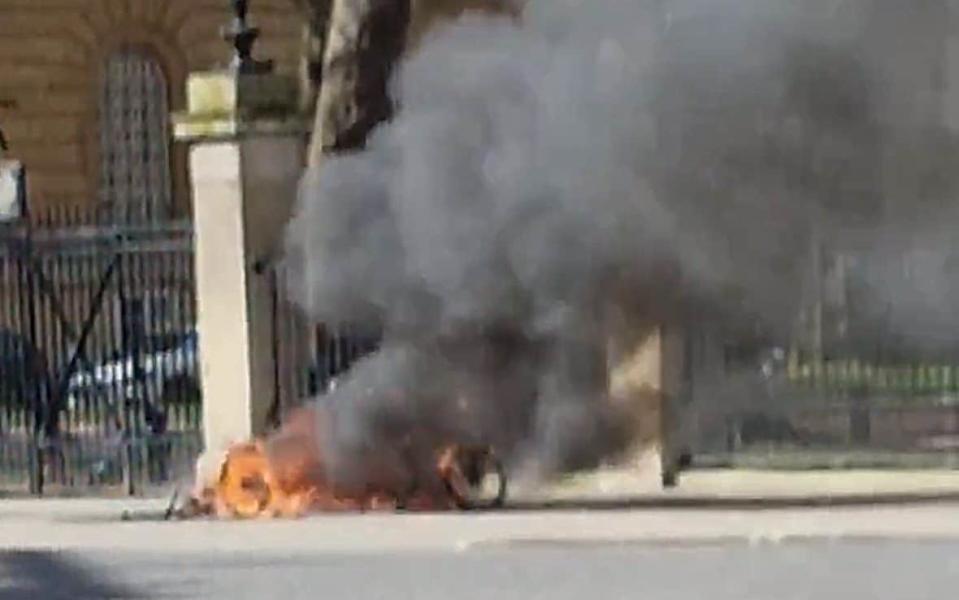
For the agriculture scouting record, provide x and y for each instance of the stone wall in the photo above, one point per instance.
(51, 57)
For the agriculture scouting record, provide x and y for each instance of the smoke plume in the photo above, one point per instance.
(551, 186)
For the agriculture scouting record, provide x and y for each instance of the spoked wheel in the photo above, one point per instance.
(474, 477)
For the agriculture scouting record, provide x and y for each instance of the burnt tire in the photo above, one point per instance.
(477, 467)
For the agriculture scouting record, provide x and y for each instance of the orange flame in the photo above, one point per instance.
(285, 476)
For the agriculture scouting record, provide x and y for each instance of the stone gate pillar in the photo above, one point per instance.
(247, 150)
(647, 376)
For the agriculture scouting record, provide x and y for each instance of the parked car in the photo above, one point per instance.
(139, 385)
(165, 376)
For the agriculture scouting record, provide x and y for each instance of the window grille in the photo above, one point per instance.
(134, 139)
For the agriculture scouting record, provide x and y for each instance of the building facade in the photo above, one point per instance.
(87, 87)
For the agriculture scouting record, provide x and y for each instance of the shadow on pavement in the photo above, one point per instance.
(39, 575)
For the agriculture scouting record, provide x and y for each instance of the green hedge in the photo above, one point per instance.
(854, 375)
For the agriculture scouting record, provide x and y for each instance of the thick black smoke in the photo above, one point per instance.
(551, 186)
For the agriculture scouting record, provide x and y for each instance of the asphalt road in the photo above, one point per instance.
(867, 569)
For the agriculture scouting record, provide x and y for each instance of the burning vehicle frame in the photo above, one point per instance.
(255, 480)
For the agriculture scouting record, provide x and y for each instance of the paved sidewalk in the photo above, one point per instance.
(617, 487)
(652, 516)
(746, 488)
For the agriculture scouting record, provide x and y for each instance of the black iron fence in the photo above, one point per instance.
(98, 356)
(99, 382)
(870, 377)
(838, 413)
(310, 356)
(99, 385)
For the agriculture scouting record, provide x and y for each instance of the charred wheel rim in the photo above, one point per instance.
(477, 466)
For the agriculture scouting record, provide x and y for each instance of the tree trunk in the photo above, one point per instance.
(312, 42)
(364, 40)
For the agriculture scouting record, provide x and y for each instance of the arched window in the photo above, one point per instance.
(135, 181)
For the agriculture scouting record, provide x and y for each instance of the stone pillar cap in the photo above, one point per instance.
(228, 104)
